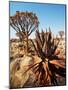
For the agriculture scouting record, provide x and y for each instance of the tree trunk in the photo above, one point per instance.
(27, 43)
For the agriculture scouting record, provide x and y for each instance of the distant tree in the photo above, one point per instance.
(61, 33)
(24, 23)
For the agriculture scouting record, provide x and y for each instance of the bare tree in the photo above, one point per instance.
(61, 33)
(24, 23)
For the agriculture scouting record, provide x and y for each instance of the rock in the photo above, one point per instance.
(17, 76)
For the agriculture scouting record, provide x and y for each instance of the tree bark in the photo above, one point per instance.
(26, 43)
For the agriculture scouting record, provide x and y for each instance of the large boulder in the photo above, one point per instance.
(18, 67)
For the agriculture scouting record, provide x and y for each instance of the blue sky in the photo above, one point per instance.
(49, 15)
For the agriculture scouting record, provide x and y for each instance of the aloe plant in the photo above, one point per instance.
(50, 66)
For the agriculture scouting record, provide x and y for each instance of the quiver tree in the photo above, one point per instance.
(51, 66)
(24, 23)
(61, 33)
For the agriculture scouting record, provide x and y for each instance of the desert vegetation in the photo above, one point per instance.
(39, 61)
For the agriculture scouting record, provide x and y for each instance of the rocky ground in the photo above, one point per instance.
(19, 63)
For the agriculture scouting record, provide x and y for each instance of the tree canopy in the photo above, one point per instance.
(24, 23)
